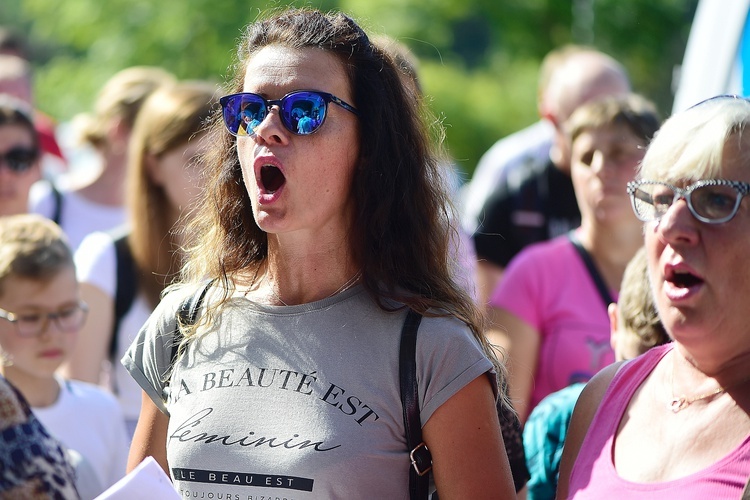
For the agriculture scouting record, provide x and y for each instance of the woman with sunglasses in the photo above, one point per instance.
(19, 155)
(675, 422)
(318, 240)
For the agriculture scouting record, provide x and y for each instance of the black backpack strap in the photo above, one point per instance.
(591, 267)
(126, 287)
(420, 456)
(58, 199)
(187, 315)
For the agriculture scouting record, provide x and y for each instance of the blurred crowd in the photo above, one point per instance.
(547, 240)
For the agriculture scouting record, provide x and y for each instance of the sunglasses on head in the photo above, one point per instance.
(722, 97)
(302, 112)
(19, 159)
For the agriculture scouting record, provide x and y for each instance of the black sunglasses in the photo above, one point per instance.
(19, 159)
(302, 112)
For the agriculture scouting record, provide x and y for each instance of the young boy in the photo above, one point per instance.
(40, 316)
(634, 328)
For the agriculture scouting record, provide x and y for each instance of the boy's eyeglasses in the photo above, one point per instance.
(302, 112)
(19, 159)
(32, 324)
(711, 201)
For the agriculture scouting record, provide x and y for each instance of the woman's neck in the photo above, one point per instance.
(697, 375)
(293, 275)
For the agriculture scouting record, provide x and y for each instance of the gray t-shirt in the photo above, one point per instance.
(296, 402)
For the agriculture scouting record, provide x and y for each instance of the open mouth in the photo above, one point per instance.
(682, 279)
(271, 178)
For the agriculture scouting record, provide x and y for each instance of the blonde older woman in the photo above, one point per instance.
(675, 423)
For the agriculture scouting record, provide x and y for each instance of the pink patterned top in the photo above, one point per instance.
(594, 474)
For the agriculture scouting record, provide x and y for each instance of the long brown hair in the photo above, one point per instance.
(402, 231)
(169, 118)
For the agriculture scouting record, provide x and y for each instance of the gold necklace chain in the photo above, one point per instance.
(681, 402)
(678, 403)
(346, 286)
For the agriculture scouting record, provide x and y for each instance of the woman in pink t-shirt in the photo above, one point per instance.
(548, 312)
(675, 422)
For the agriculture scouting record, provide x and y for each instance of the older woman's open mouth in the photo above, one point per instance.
(681, 282)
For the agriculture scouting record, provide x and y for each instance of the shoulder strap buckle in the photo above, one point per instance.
(421, 459)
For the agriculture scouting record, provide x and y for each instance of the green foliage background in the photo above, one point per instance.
(478, 58)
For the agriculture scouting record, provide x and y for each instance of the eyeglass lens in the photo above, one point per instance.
(301, 113)
(18, 159)
(67, 320)
(710, 202)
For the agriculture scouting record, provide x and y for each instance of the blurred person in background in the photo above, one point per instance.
(549, 312)
(163, 181)
(35, 466)
(41, 313)
(534, 199)
(634, 329)
(16, 79)
(95, 201)
(19, 155)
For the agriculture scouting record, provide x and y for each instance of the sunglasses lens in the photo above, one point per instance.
(19, 159)
(243, 113)
(303, 112)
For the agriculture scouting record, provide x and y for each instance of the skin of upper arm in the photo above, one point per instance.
(92, 347)
(468, 454)
(150, 438)
(519, 344)
(583, 414)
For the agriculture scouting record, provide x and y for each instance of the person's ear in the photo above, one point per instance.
(613, 312)
(548, 115)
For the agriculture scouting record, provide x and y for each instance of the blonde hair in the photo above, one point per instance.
(637, 310)
(32, 246)
(690, 144)
(169, 118)
(121, 97)
(634, 111)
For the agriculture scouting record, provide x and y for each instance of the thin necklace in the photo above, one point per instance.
(346, 286)
(681, 402)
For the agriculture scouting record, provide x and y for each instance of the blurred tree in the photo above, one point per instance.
(479, 58)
